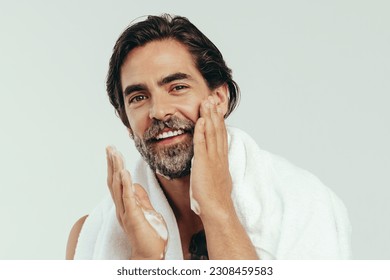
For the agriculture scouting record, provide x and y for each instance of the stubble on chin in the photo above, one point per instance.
(172, 161)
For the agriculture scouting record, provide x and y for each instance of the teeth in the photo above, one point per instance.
(169, 134)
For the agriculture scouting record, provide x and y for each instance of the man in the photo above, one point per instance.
(201, 191)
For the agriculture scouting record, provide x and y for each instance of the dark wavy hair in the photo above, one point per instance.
(208, 59)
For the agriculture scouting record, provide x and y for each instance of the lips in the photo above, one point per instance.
(168, 134)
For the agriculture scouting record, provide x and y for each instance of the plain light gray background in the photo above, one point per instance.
(315, 88)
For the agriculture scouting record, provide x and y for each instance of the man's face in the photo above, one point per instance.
(163, 91)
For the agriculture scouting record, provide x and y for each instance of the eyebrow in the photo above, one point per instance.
(132, 88)
(174, 77)
(166, 80)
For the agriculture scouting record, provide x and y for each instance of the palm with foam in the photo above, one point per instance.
(144, 227)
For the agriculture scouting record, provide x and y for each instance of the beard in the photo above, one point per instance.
(172, 161)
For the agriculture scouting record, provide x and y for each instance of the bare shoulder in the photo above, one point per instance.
(73, 238)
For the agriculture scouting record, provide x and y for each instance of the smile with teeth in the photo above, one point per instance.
(169, 134)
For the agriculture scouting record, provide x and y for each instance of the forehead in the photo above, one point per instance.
(155, 60)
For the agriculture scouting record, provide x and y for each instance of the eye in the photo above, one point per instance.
(137, 98)
(179, 87)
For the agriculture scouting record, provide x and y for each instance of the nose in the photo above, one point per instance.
(161, 107)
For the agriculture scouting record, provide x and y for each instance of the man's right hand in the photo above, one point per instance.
(131, 203)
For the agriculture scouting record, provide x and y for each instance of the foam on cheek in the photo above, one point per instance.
(194, 204)
(157, 222)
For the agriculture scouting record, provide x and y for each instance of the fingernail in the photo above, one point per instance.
(211, 100)
(207, 104)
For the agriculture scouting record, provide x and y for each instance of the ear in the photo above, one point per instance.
(221, 94)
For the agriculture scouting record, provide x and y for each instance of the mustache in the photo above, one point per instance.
(173, 122)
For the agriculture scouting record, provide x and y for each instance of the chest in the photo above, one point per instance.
(193, 243)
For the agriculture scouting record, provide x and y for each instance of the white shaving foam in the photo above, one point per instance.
(157, 223)
(194, 205)
(165, 176)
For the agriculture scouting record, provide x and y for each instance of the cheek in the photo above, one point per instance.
(190, 110)
(138, 121)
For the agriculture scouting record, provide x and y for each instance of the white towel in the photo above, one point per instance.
(287, 212)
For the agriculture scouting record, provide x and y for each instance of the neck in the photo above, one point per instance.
(177, 192)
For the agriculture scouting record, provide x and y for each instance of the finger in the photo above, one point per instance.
(200, 148)
(118, 161)
(117, 185)
(117, 167)
(109, 169)
(210, 134)
(128, 196)
(219, 126)
(223, 131)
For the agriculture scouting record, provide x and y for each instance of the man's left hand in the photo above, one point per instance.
(211, 182)
(211, 187)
